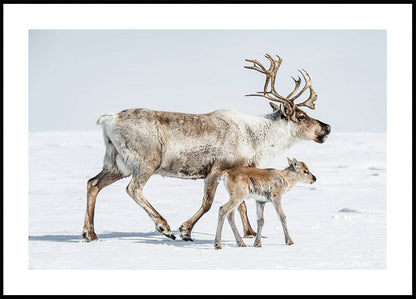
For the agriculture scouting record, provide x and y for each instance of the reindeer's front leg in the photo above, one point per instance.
(278, 205)
(211, 183)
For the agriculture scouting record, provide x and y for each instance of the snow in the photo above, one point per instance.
(337, 223)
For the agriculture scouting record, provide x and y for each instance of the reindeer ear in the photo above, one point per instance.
(284, 110)
(274, 106)
(289, 161)
(280, 108)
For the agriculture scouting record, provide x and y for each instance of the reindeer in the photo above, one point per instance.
(143, 142)
(263, 185)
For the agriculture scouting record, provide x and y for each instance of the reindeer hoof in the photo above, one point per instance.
(165, 232)
(258, 245)
(172, 236)
(290, 242)
(186, 238)
(217, 246)
(89, 236)
(242, 245)
(250, 234)
(185, 235)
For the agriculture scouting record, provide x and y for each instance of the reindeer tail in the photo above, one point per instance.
(223, 176)
(105, 117)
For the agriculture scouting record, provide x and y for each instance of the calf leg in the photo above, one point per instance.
(260, 222)
(224, 210)
(248, 231)
(135, 190)
(237, 236)
(211, 183)
(278, 206)
(94, 185)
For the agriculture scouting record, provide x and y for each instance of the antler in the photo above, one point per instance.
(310, 102)
(270, 76)
(273, 95)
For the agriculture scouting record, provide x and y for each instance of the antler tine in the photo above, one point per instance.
(308, 83)
(256, 66)
(297, 84)
(310, 102)
(260, 68)
(274, 66)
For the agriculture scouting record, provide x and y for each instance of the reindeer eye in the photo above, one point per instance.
(302, 117)
(305, 171)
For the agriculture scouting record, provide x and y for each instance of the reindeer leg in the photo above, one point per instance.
(135, 190)
(237, 236)
(94, 185)
(211, 183)
(278, 206)
(248, 231)
(224, 211)
(260, 222)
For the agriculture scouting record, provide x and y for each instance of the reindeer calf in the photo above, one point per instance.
(263, 185)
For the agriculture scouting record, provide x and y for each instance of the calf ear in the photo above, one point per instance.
(294, 162)
(289, 161)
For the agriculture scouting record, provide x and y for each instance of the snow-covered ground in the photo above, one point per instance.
(337, 223)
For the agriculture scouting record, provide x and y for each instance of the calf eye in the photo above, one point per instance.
(302, 117)
(305, 171)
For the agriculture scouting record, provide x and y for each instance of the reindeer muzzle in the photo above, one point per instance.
(325, 130)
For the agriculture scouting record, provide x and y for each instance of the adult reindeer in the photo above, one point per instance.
(143, 142)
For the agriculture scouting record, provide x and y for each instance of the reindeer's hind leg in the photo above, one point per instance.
(94, 185)
(237, 197)
(135, 190)
(248, 231)
(260, 222)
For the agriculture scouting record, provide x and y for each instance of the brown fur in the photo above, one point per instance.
(264, 185)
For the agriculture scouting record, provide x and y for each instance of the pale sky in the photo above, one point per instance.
(77, 75)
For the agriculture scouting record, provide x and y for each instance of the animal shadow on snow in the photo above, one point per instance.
(143, 238)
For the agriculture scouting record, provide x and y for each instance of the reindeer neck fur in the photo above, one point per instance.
(290, 176)
(271, 136)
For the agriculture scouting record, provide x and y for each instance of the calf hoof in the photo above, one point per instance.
(89, 236)
(242, 244)
(258, 245)
(290, 242)
(217, 246)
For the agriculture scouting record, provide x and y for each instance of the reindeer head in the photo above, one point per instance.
(304, 126)
(301, 171)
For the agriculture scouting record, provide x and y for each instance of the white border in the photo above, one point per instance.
(396, 19)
